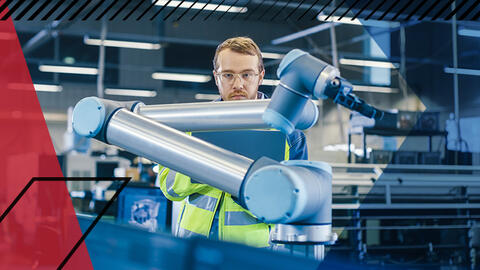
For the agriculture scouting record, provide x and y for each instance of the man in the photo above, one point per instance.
(207, 211)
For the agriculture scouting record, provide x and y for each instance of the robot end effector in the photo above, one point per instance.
(303, 77)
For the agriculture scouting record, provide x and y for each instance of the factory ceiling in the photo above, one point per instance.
(188, 37)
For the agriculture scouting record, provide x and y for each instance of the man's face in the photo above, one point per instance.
(246, 76)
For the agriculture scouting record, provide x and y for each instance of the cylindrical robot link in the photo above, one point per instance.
(226, 115)
(202, 161)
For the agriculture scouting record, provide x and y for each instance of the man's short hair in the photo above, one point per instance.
(243, 45)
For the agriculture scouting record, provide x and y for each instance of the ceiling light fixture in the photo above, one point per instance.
(462, 71)
(68, 69)
(270, 82)
(55, 117)
(47, 87)
(37, 86)
(469, 32)
(369, 63)
(130, 92)
(200, 96)
(168, 76)
(272, 55)
(122, 44)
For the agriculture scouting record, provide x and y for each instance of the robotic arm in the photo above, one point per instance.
(303, 77)
(296, 195)
(126, 125)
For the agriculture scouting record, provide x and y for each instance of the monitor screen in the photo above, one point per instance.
(250, 143)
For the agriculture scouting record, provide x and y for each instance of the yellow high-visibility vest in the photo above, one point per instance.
(201, 201)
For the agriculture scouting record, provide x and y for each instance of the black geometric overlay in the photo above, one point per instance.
(137, 9)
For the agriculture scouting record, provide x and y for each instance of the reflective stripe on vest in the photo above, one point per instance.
(199, 211)
(202, 201)
(239, 218)
(169, 181)
(182, 232)
(239, 225)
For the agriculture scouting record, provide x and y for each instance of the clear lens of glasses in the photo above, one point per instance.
(229, 77)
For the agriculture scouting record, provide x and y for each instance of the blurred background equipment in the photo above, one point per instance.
(144, 207)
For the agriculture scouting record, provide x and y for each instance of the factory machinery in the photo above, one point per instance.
(410, 215)
(299, 198)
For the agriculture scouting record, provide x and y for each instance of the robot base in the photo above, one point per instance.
(303, 234)
(316, 236)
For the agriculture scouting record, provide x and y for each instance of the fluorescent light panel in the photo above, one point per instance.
(77, 194)
(369, 63)
(121, 44)
(168, 76)
(469, 32)
(374, 89)
(348, 20)
(55, 117)
(200, 96)
(463, 71)
(37, 86)
(68, 69)
(272, 55)
(270, 82)
(130, 92)
(47, 87)
(199, 5)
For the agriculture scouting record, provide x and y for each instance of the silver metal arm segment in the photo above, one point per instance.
(114, 123)
(202, 161)
(225, 115)
(201, 116)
